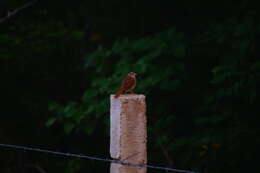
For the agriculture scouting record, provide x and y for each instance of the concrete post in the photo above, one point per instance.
(128, 133)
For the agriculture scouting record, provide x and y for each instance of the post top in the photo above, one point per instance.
(128, 96)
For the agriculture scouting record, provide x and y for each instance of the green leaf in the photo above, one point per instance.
(68, 127)
(51, 121)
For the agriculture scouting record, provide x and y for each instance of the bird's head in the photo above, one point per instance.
(132, 74)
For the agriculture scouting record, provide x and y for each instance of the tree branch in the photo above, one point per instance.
(15, 11)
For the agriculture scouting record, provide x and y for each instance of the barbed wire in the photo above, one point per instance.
(93, 158)
(12, 13)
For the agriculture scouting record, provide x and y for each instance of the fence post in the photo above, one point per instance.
(128, 134)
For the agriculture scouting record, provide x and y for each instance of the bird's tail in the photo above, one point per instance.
(120, 91)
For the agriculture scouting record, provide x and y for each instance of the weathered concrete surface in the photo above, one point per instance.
(117, 168)
(128, 134)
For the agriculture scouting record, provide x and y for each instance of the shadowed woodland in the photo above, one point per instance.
(197, 63)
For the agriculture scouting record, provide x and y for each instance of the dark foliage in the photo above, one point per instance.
(198, 66)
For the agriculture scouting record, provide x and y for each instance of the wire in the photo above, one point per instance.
(92, 158)
(12, 13)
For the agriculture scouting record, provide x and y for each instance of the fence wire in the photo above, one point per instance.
(93, 158)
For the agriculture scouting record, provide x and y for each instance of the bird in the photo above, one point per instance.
(128, 84)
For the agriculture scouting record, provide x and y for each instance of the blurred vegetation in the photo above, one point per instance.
(200, 76)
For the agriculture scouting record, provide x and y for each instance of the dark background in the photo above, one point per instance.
(197, 63)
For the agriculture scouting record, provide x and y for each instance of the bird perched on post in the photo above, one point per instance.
(128, 84)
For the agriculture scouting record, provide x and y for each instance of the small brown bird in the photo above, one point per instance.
(128, 84)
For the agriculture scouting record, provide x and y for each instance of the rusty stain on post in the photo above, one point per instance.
(128, 133)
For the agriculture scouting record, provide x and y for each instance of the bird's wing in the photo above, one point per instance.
(128, 83)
